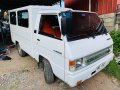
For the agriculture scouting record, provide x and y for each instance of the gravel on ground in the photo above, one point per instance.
(22, 73)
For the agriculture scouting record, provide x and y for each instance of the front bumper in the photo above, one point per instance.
(81, 75)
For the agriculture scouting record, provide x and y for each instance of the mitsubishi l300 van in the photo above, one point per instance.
(69, 44)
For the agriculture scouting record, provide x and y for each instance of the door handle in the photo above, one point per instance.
(35, 31)
(38, 39)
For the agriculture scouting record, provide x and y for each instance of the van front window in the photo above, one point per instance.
(83, 25)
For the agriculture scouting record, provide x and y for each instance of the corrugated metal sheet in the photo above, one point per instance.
(106, 6)
(99, 6)
(118, 1)
(77, 4)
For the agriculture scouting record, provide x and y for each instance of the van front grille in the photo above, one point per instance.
(96, 56)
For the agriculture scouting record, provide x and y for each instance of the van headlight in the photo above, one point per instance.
(79, 63)
(74, 64)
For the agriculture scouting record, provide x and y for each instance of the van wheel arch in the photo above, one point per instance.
(47, 68)
(40, 63)
(21, 52)
(16, 42)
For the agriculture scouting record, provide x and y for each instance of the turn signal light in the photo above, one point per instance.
(71, 62)
(72, 65)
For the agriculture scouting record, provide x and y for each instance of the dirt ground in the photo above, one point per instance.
(23, 74)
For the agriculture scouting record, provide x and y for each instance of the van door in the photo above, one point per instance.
(49, 43)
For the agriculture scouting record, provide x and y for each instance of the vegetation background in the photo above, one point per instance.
(113, 69)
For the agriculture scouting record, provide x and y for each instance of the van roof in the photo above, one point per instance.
(40, 7)
(47, 8)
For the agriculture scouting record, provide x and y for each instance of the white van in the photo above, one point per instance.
(69, 44)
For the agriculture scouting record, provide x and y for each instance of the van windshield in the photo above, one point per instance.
(83, 25)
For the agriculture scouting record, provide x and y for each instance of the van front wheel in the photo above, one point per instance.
(20, 51)
(48, 73)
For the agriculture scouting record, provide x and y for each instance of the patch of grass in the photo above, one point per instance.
(115, 34)
(113, 69)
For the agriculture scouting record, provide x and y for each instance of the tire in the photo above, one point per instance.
(40, 65)
(48, 72)
(21, 52)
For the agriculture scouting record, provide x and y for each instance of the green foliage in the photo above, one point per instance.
(113, 69)
(116, 39)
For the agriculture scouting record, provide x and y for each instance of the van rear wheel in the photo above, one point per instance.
(48, 72)
(21, 52)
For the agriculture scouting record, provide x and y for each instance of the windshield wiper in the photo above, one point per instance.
(82, 35)
(93, 33)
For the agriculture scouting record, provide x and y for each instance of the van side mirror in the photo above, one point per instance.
(66, 25)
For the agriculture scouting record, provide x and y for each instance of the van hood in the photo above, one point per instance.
(84, 47)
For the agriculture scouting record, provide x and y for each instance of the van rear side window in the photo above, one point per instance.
(23, 18)
(13, 18)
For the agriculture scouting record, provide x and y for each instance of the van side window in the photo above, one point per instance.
(23, 18)
(49, 26)
(13, 18)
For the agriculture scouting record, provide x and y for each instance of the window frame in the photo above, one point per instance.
(18, 18)
(46, 34)
(15, 18)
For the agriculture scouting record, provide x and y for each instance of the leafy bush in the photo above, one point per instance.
(113, 69)
(116, 39)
